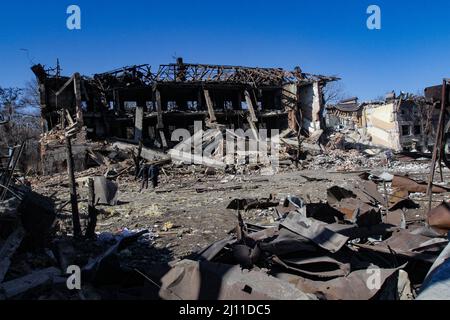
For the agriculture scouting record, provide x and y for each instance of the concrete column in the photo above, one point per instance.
(289, 103)
(138, 123)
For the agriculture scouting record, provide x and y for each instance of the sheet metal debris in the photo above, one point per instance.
(411, 185)
(105, 191)
(194, 280)
(439, 218)
(323, 260)
(314, 231)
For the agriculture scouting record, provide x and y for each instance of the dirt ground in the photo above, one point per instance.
(187, 212)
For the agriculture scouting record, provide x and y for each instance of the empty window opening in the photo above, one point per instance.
(417, 130)
(130, 105)
(171, 105)
(406, 130)
(150, 106)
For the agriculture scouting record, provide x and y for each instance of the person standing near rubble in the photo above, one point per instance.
(148, 172)
(143, 173)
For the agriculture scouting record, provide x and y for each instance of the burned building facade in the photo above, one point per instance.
(400, 123)
(138, 104)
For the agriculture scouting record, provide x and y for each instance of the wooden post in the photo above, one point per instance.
(254, 128)
(160, 124)
(8, 249)
(92, 212)
(137, 160)
(209, 104)
(73, 189)
(77, 90)
(438, 143)
(251, 108)
(138, 123)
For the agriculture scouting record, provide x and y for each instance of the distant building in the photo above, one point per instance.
(140, 104)
(403, 123)
(346, 114)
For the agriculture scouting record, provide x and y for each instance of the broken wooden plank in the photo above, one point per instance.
(304, 145)
(98, 157)
(64, 87)
(230, 188)
(8, 249)
(251, 108)
(163, 139)
(138, 123)
(29, 282)
(92, 211)
(203, 190)
(196, 159)
(209, 104)
(146, 153)
(254, 128)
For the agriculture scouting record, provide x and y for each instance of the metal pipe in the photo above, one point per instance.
(437, 145)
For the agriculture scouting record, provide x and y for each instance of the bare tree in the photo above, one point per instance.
(18, 127)
(30, 95)
(333, 92)
(9, 100)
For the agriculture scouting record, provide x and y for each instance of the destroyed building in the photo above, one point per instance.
(400, 123)
(312, 235)
(346, 114)
(136, 103)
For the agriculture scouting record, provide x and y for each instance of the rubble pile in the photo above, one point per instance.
(316, 251)
(299, 249)
(36, 261)
(344, 160)
(365, 241)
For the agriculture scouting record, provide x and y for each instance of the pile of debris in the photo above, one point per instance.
(25, 222)
(360, 244)
(357, 246)
(36, 263)
(344, 160)
(37, 256)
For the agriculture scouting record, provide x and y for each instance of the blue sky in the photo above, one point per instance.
(410, 52)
